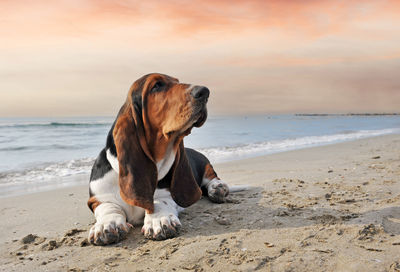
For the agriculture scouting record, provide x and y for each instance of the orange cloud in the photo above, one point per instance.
(52, 19)
(299, 52)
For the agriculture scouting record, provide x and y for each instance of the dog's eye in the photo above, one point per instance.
(158, 86)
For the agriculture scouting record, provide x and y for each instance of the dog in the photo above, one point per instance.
(145, 171)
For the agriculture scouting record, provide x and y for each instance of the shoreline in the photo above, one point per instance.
(331, 207)
(83, 179)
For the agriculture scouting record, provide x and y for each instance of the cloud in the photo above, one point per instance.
(256, 56)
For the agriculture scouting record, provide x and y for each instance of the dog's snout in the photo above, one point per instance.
(200, 93)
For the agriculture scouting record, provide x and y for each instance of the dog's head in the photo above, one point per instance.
(169, 108)
(158, 112)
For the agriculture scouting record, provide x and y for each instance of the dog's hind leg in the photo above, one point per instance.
(216, 189)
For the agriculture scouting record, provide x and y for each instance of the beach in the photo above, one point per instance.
(326, 208)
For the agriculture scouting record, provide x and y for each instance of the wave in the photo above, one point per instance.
(46, 172)
(60, 124)
(16, 148)
(223, 154)
(66, 172)
(55, 124)
(52, 147)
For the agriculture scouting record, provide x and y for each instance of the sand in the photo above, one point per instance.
(329, 208)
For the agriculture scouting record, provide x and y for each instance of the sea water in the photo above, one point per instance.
(43, 153)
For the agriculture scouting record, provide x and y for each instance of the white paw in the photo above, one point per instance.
(161, 225)
(217, 191)
(109, 230)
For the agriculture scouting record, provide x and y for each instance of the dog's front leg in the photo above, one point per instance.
(111, 225)
(164, 222)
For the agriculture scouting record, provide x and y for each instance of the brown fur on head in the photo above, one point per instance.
(168, 111)
(159, 112)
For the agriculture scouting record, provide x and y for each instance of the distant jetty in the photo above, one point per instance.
(346, 114)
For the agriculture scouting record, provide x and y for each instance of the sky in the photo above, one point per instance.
(79, 57)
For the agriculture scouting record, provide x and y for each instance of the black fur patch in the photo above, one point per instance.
(110, 144)
(198, 164)
(101, 166)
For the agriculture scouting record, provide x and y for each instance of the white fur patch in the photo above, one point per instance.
(232, 188)
(113, 214)
(217, 190)
(105, 185)
(112, 160)
(213, 183)
(106, 190)
(110, 219)
(206, 182)
(164, 222)
(165, 164)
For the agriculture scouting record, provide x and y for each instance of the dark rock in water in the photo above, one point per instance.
(376, 157)
(30, 238)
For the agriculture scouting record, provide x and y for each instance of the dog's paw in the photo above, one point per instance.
(161, 226)
(217, 191)
(109, 232)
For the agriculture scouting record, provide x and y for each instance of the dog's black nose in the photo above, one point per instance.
(200, 93)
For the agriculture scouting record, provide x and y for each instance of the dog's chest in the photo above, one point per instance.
(165, 164)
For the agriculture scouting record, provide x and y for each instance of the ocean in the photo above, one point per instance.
(44, 153)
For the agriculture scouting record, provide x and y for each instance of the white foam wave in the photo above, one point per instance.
(54, 124)
(66, 173)
(42, 175)
(223, 154)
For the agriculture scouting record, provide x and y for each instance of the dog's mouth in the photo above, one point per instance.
(197, 120)
(201, 117)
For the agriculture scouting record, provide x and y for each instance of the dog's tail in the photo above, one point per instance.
(238, 188)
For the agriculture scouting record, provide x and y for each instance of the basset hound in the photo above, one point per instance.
(144, 171)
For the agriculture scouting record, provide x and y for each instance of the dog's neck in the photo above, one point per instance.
(165, 164)
(163, 151)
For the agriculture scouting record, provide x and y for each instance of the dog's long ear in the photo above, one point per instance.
(137, 171)
(184, 189)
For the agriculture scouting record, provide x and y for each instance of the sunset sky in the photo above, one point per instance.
(79, 57)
